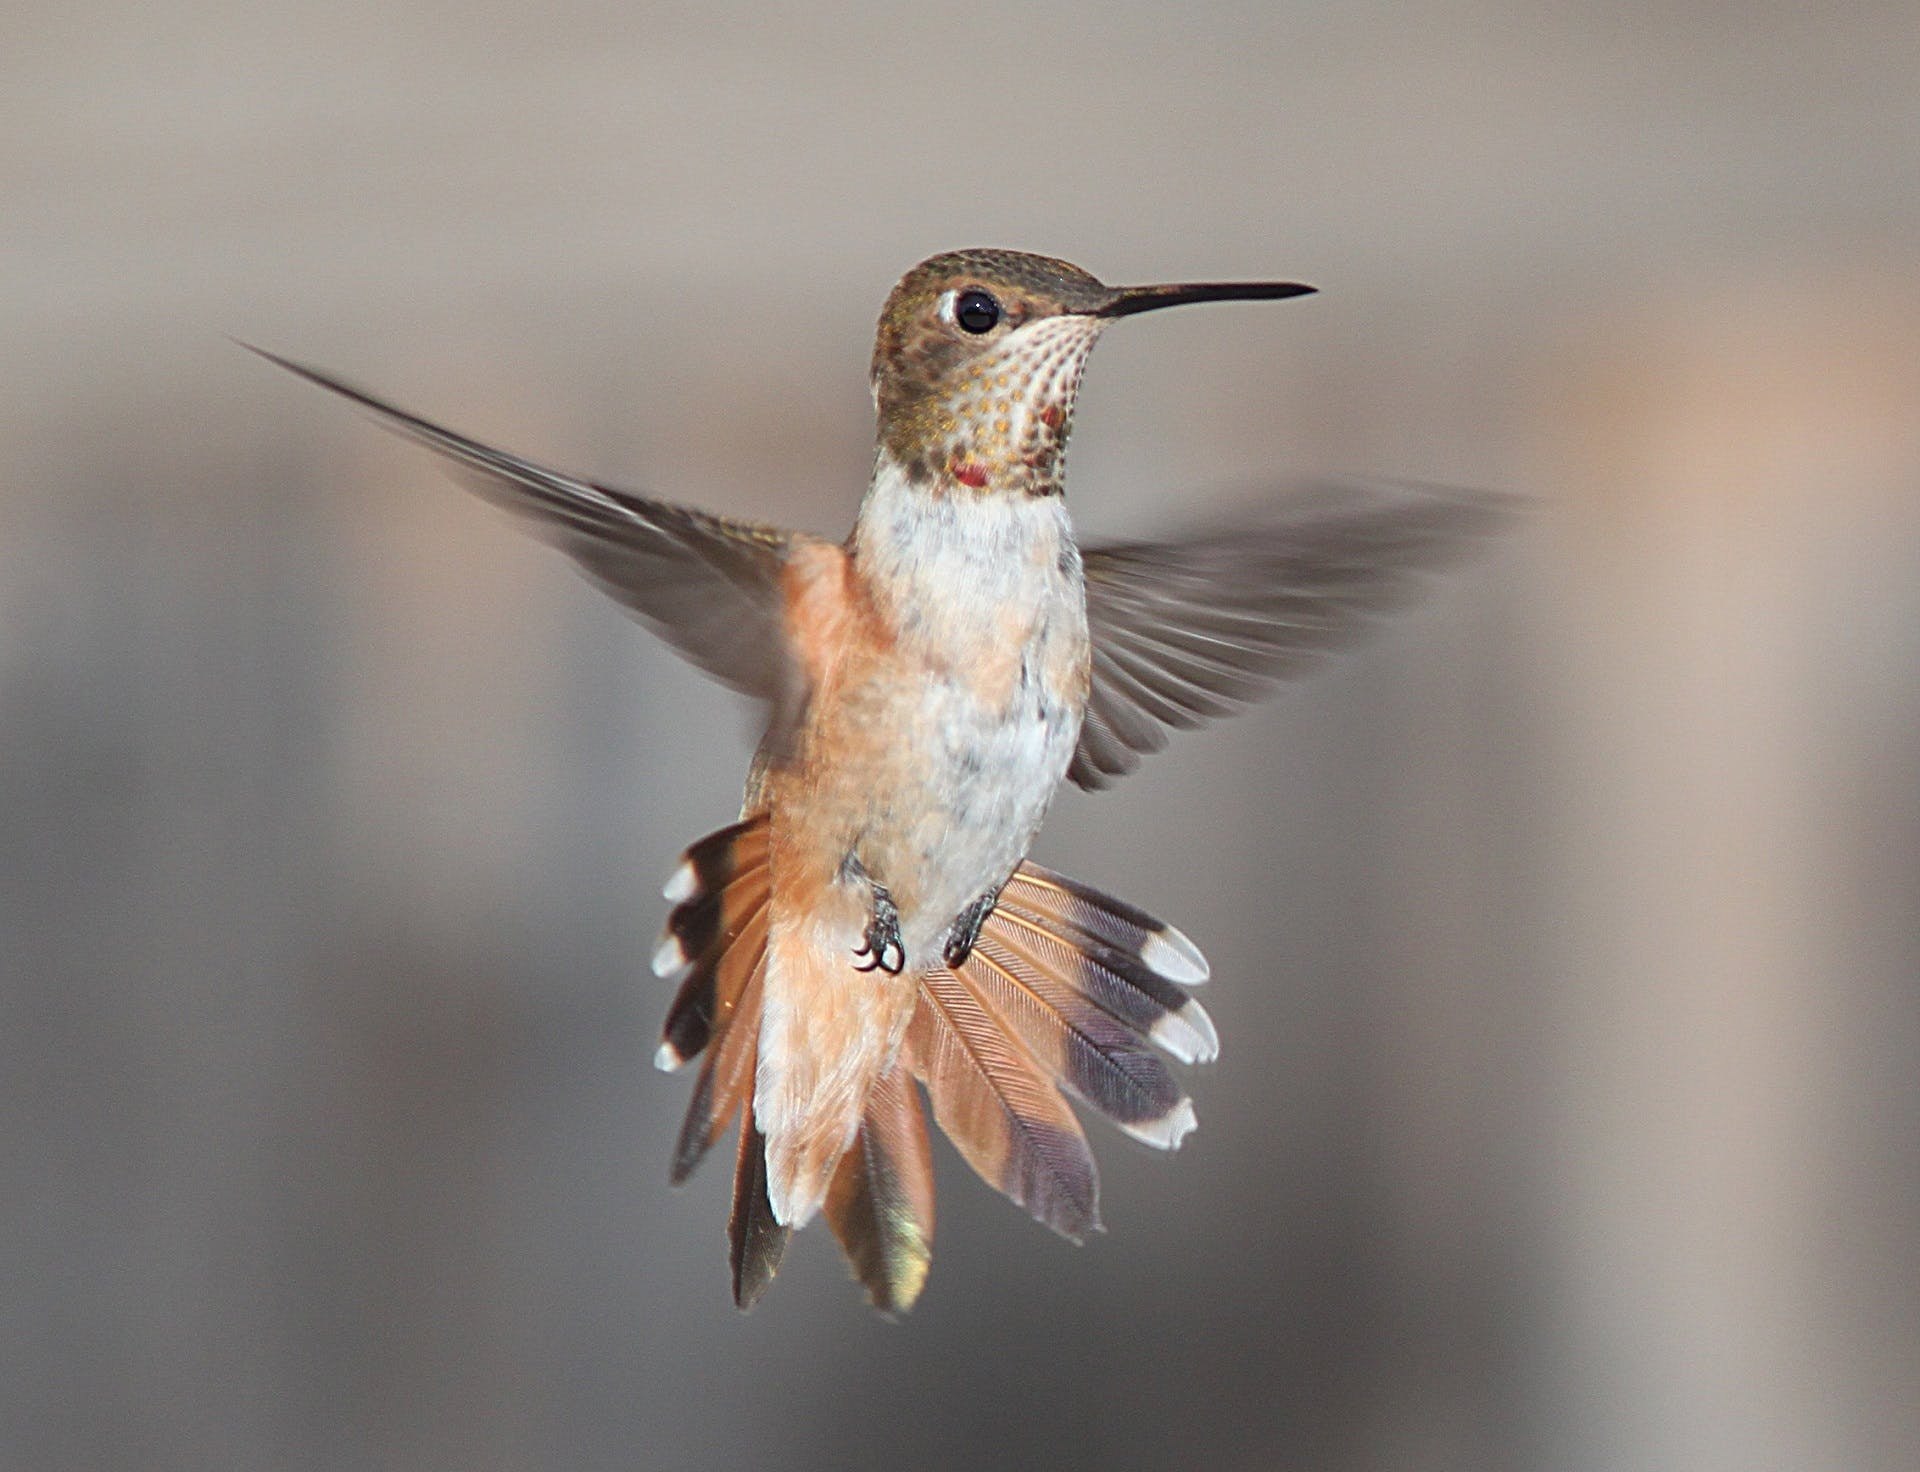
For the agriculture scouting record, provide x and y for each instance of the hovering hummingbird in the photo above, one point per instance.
(872, 921)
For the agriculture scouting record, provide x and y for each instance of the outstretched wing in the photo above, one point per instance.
(1191, 630)
(708, 586)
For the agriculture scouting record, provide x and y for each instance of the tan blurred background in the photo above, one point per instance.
(1564, 940)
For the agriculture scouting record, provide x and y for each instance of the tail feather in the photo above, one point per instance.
(1100, 1059)
(715, 934)
(711, 992)
(711, 861)
(880, 1204)
(1006, 1120)
(725, 1083)
(1164, 949)
(756, 1241)
(1133, 967)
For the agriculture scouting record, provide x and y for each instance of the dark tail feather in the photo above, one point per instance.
(712, 991)
(880, 1204)
(714, 937)
(725, 1085)
(1098, 1058)
(1132, 967)
(756, 1240)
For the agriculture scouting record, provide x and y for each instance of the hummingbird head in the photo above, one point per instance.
(979, 355)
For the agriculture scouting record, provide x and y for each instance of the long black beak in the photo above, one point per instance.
(1130, 299)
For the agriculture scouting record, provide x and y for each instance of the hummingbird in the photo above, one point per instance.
(871, 929)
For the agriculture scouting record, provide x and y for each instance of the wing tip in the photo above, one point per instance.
(317, 376)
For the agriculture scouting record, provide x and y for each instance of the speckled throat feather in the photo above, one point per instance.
(990, 415)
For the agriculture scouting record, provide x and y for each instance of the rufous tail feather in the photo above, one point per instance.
(755, 1239)
(1066, 988)
(715, 940)
(880, 1204)
(714, 936)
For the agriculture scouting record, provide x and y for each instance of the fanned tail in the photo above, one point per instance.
(880, 1204)
(1066, 988)
(1134, 968)
(1067, 992)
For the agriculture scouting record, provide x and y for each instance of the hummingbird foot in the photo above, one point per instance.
(966, 929)
(882, 946)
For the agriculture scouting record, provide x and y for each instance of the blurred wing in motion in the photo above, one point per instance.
(708, 586)
(1188, 631)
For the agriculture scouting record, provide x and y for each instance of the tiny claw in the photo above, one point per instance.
(882, 944)
(885, 951)
(966, 930)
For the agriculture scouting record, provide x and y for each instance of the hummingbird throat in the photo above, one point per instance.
(997, 423)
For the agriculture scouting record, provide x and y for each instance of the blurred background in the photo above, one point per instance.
(1564, 938)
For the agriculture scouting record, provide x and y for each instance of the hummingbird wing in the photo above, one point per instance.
(1191, 630)
(707, 585)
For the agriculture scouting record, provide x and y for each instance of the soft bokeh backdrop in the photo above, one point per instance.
(1564, 939)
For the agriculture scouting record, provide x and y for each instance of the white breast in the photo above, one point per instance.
(986, 600)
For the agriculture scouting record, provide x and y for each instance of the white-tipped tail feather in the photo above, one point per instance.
(1187, 1034)
(1169, 952)
(1169, 1130)
(669, 956)
(682, 884)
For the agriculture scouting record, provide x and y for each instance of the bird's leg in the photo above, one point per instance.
(965, 929)
(882, 945)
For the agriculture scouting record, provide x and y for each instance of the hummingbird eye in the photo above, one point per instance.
(976, 311)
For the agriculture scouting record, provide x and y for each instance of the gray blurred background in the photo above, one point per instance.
(1564, 939)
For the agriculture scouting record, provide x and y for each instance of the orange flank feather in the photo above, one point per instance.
(821, 609)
